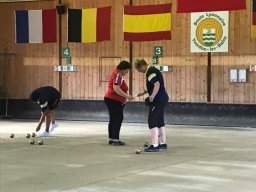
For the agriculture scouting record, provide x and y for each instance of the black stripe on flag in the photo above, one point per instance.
(74, 25)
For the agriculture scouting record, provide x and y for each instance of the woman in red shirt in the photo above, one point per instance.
(115, 99)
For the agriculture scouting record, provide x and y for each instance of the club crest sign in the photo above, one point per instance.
(209, 31)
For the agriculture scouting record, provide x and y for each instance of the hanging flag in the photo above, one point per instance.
(147, 22)
(35, 26)
(89, 25)
(187, 6)
(254, 19)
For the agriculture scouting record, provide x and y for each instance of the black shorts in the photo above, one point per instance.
(156, 115)
(51, 105)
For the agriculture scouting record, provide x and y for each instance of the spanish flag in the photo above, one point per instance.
(254, 19)
(147, 22)
(89, 25)
(188, 6)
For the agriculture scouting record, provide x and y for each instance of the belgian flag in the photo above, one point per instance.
(89, 25)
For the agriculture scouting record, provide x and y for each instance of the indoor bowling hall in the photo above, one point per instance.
(127, 95)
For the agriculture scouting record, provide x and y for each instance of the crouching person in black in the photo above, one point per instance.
(48, 98)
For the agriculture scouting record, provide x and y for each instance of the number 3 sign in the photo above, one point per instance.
(158, 50)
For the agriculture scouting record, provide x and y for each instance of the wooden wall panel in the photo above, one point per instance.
(223, 91)
(93, 59)
(33, 64)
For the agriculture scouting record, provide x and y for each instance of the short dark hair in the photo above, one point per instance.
(139, 63)
(123, 65)
(34, 96)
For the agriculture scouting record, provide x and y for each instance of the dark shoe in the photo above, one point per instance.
(162, 146)
(118, 143)
(110, 142)
(151, 148)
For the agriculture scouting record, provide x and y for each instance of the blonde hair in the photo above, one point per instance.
(139, 63)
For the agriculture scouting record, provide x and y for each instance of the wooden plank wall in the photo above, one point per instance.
(92, 57)
(33, 64)
(242, 53)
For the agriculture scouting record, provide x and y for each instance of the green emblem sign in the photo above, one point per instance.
(68, 60)
(158, 50)
(155, 60)
(65, 52)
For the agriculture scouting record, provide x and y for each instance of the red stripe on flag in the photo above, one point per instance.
(254, 18)
(147, 9)
(103, 24)
(150, 36)
(49, 26)
(187, 6)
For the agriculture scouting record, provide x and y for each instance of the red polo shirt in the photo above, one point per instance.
(116, 78)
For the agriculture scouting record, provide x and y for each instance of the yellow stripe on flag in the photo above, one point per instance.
(253, 31)
(89, 25)
(147, 23)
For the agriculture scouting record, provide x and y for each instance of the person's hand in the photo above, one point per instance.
(38, 129)
(140, 94)
(147, 102)
(151, 99)
(130, 97)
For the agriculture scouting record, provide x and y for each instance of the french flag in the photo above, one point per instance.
(35, 26)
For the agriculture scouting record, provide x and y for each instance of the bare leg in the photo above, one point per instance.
(154, 136)
(53, 117)
(48, 120)
(162, 134)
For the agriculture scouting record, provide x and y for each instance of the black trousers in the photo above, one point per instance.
(156, 114)
(115, 110)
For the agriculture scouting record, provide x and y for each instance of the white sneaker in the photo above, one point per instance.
(43, 134)
(53, 126)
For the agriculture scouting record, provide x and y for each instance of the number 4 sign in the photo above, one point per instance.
(65, 52)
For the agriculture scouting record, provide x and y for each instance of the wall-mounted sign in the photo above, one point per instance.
(66, 68)
(242, 75)
(66, 52)
(155, 60)
(163, 68)
(68, 60)
(252, 68)
(233, 75)
(238, 75)
(209, 31)
(158, 51)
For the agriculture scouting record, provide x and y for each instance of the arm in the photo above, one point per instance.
(143, 93)
(119, 91)
(155, 90)
(42, 118)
